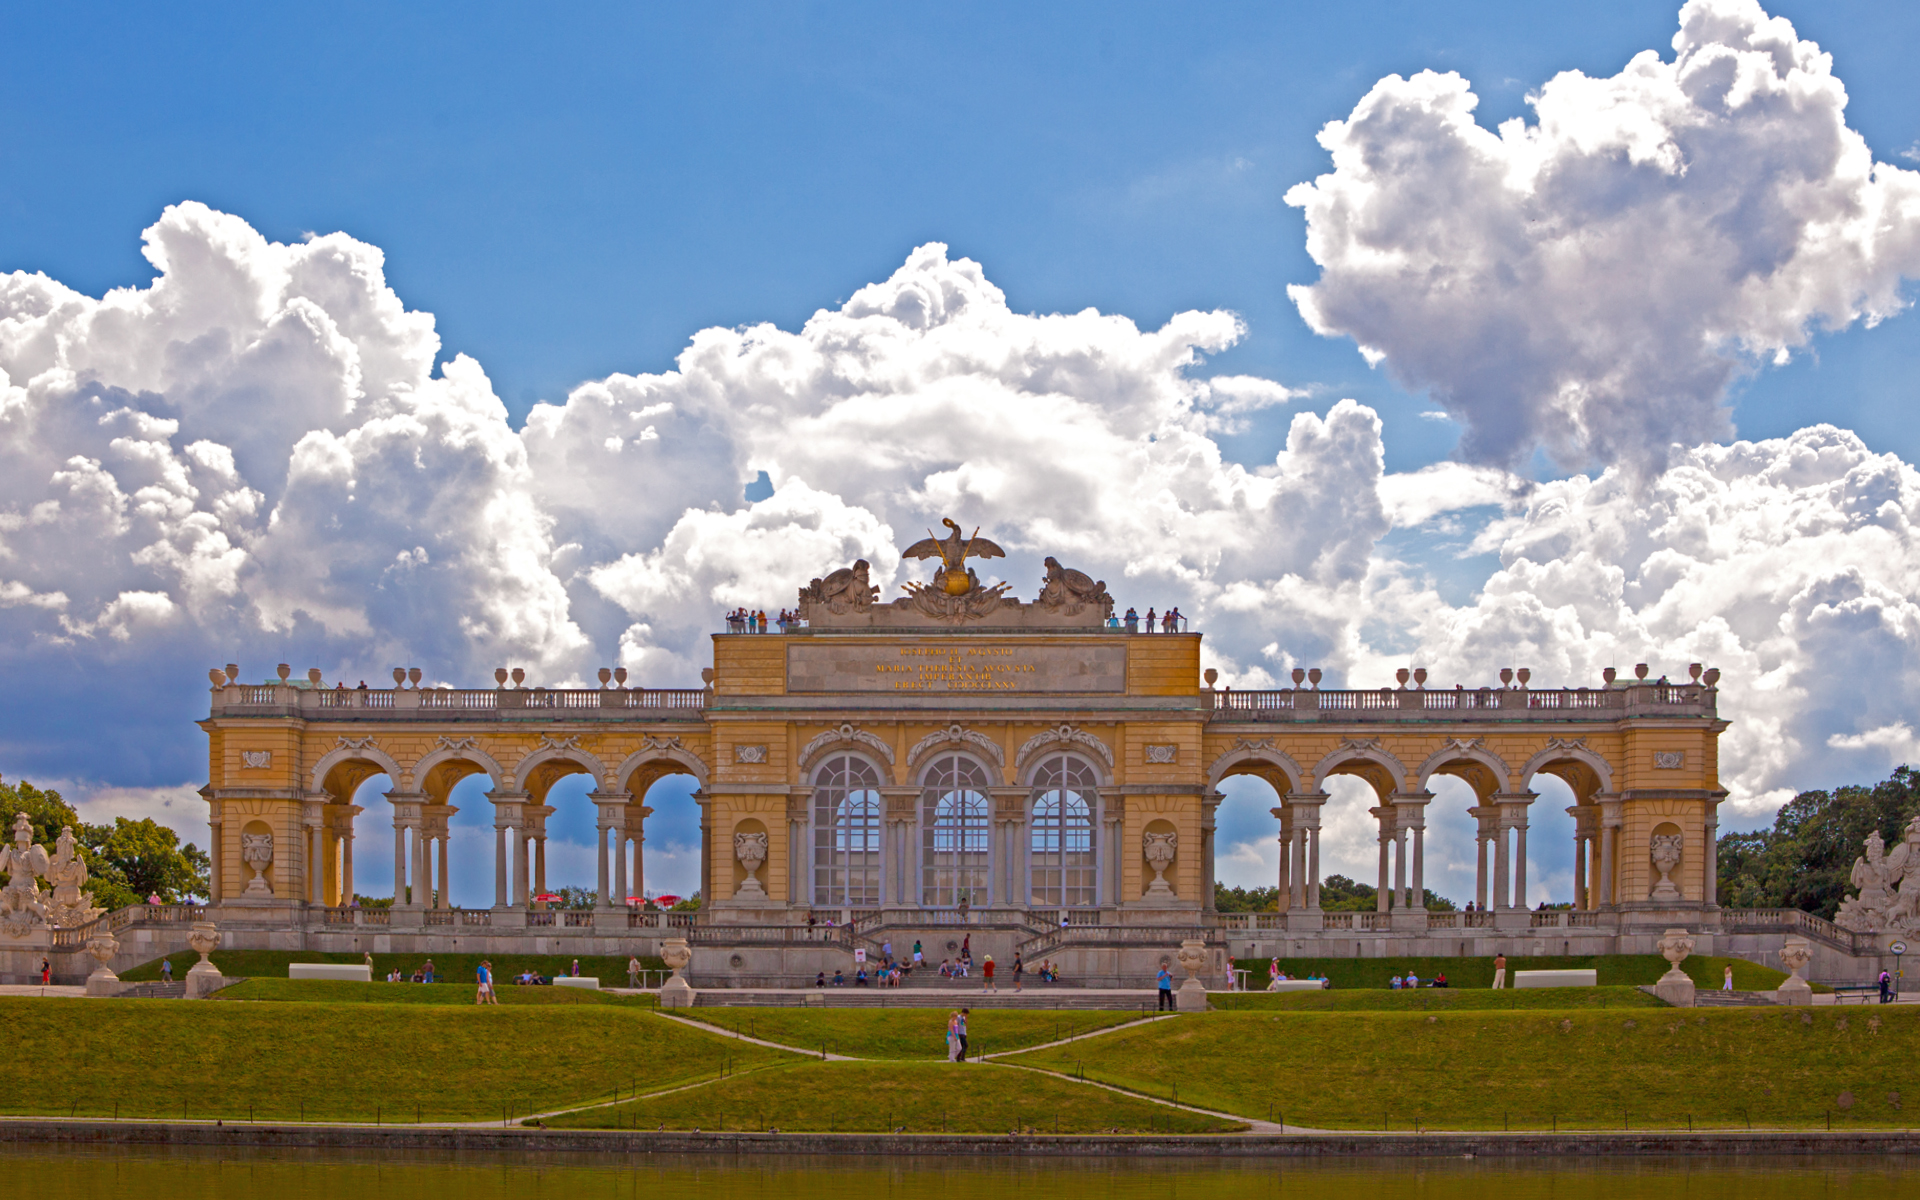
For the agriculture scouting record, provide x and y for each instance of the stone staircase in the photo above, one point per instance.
(1719, 999)
(155, 991)
(870, 997)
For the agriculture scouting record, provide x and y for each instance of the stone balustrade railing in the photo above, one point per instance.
(1476, 704)
(432, 704)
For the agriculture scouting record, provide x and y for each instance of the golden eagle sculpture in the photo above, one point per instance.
(953, 577)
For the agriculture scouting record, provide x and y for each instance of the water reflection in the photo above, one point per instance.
(198, 1174)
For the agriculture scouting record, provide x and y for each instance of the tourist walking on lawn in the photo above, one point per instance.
(953, 1037)
(962, 1031)
(166, 970)
(1165, 980)
(1726, 981)
(574, 971)
(986, 973)
(633, 972)
(1499, 970)
(483, 993)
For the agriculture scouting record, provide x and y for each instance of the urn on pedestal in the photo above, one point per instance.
(1676, 986)
(101, 948)
(1192, 958)
(676, 992)
(1795, 953)
(203, 979)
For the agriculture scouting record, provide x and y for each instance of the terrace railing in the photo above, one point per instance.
(1476, 704)
(432, 704)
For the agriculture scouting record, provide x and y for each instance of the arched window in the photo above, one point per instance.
(1065, 870)
(846, 833)
(953, 832)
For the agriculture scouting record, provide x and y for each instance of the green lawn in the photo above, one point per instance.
(1590, 1068)
(897, 1033)
(455, 968)
(344, 1061)
(339, 991)
(1435, 999)
(922, 1097)
(1613, 969)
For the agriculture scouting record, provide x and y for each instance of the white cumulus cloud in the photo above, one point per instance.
(1591, 282)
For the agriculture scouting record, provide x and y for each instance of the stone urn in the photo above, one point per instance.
(1795, 953)
(1665, 852)
(676, 992)
(203, 978)
(751, 850)
(1160, 849)
(101, 948)
(1676, 986)
(256, 850)
(1192, 957)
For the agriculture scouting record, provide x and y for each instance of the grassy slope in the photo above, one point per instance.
(336, 991)
(1776, 1066)
(457, 968)
(903, 1033)
(1613, 969)
(343, 1060)
(1435, 999)
(923, 1097)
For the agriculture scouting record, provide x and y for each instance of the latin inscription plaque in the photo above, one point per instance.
(826, 667)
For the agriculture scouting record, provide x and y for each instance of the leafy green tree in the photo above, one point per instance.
(127, 861)
(1245, 900)
(576, 897)
(1337, 894)
(1805, 860)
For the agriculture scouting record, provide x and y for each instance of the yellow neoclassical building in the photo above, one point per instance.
(1043, 773)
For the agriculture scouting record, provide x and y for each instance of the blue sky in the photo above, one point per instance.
(575, 194)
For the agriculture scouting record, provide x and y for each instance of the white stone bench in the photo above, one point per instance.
(358, 972)
(590, 982)
(1295, 985)
(1581, 977)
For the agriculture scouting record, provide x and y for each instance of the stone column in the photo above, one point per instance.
(620, 890)
(1313, 865)
(1482, 816)
(1383, 814)
(1520, 865)
(316, 862)
(214, 890)
(1419, 885)
(1113, 862)
(1610, 821)
(706, 847)
(1710, 893)
(1400, 869)
(1284, 877)
(1209, 806)
(346, 862)
(799, 849)
(1500, 873)
(899, 806)
(399, 865)
(445, 898)
(603, 869)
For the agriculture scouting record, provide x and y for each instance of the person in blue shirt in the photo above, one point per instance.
(484, 993)
(1165, 981)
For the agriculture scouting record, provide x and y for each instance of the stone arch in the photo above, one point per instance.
(972, 743)
(440, 770)
(1263, 760)
(918, 770)
(1584, 771)
(364, 762)
(540, 770)
(1470, 761)
(1366, 759)
(855, 752)
(1071, 740)
(654, 761)
(848, 738)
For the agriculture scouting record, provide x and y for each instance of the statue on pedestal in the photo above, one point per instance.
(67, 872)
(1889, 887)
(21, 907)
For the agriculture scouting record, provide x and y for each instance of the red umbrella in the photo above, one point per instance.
(636, 900)
(666, 901)
(546, 898)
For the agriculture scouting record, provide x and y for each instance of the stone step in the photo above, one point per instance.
(1719, 999)
(155, 991)
(852, 997)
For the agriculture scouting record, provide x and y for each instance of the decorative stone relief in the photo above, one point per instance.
(21, 908)
(458, 744)
(67, 873)
(750, 754)
(565, 743)
(959, 735)
(1161, 754)
(1070, 591)
(1070, 735)
(1250, 746)
(1665, 850)
(844, 591)
(1888, 899)
(1669, 760)
(359, 743)
(1160, 849)
(751, 850)
(661, 743)
(256, 759)
(256, 850)
(847, 733)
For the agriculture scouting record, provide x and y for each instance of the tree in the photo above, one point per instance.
(1245, 900)
(1805, 860)
(126, 861)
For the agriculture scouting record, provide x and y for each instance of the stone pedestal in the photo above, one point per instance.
(1676, 988)
(1192, 956)
(676, 993)
(1192, 996)
(1795, 953)
(203, 980)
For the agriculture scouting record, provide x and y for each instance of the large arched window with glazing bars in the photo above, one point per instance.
(954, 824)
(1062, 852)
(846, 833)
